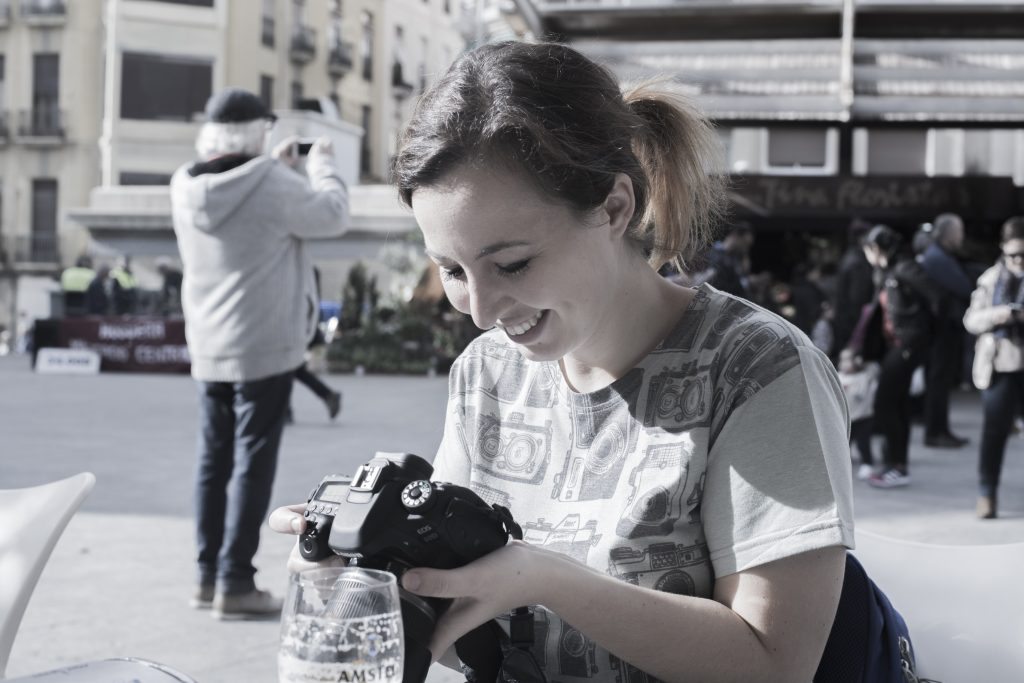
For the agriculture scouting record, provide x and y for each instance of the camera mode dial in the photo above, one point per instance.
(418, 495)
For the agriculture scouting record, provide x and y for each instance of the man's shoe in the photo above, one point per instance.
(203, 597)
(333, 404)
(986, 508)
(255, 604)
(865, 471)
(889, 479)
(945, 441)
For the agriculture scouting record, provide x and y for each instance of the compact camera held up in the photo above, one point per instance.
(390, 516)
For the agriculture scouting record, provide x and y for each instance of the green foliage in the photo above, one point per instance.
(407, 338)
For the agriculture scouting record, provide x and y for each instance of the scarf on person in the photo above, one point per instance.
(1009, 289)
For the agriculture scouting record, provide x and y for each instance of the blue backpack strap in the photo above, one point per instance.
(869, 641)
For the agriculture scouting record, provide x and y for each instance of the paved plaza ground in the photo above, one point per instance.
(118, 581)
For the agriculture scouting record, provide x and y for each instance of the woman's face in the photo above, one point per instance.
(512, 258)
(1013, 256)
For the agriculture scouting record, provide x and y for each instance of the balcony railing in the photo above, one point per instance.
(40, 247)
(339, 59)
(45, 12)
(43, 122)
(267, 31)
(400, 88)
(303, 45)
(5, 12)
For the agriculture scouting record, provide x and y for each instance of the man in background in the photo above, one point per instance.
(242, 219)
(944, 356)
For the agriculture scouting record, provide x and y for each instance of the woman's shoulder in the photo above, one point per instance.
(989, 277)
(719, 322)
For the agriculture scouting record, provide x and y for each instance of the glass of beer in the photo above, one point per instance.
(341, 624)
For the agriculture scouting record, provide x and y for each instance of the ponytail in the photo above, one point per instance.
(679, 153)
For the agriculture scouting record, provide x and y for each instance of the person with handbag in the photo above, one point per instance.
(996, 315)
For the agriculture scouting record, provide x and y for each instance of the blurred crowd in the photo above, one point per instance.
(905, 321)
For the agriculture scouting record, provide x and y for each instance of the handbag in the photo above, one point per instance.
(984, 359)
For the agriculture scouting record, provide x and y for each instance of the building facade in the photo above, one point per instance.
(100, 101)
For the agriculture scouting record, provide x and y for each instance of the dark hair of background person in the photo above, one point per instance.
(1013, 229)
(563, 120)
(885, 238)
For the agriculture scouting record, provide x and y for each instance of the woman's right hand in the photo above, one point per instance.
(289, 520)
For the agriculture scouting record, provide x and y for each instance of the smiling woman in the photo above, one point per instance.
(672, 528)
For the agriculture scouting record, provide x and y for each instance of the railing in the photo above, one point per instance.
(34, 248)
(303, 44)
(43, 9)
(339, 59)
(400, 88)
(267, 31)
(43, 122)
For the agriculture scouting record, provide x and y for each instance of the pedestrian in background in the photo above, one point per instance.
(729, 261)
(907, 303)
(996, 315)
(946, 349)
(855, 285)
(98, 294)
(124, 287)
(241, 219)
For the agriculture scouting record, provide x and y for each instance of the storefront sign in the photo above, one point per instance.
(974, 198)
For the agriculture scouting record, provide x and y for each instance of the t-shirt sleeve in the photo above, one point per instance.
(452, 462)
(778, 477)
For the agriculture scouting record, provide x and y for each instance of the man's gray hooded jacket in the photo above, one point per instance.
(248, 292)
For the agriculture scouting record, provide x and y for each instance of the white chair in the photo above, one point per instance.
(31, 521)
(964, 604)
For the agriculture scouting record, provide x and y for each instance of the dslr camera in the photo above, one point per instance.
(390, 516)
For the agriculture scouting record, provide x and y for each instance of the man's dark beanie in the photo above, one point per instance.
(235, 105)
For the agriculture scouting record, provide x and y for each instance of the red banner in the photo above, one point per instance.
(126, 344)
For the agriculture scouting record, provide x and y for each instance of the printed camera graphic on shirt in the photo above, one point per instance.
(576, 653)
(500, 373)
(566, 537)
(601, 439)
(678, 400)
(659, 484)
(514, 450)
(626, 672)
(763, 354)
(660, 566)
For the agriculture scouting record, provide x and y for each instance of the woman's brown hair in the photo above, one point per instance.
(547, 110)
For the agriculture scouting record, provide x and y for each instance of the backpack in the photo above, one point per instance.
(869, 641)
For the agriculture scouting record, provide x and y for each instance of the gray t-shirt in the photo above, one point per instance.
(724, 449)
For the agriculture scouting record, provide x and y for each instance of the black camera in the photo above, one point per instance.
(390, 516)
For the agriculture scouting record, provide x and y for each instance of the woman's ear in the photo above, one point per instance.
(620, 204)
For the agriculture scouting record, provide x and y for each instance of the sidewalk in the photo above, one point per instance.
(118, 581)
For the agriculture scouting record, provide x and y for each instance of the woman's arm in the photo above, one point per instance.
(769, 623)
(981, 315)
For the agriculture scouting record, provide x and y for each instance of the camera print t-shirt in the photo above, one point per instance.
(724, 449)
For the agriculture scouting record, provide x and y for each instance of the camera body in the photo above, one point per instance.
(390, 516)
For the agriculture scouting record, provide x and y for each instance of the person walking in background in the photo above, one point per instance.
(241, 219)
(996, 315)
(855, 286)
(860, 382)
(946, 349)
(124, 287)
(170, 286)
(74, 282)
(330, 398)
(907, 303)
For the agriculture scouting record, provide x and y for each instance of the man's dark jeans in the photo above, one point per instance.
(241, 426)
(943, 364)
(1000, 403)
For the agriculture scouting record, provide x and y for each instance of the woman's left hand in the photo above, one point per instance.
(483, 589)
